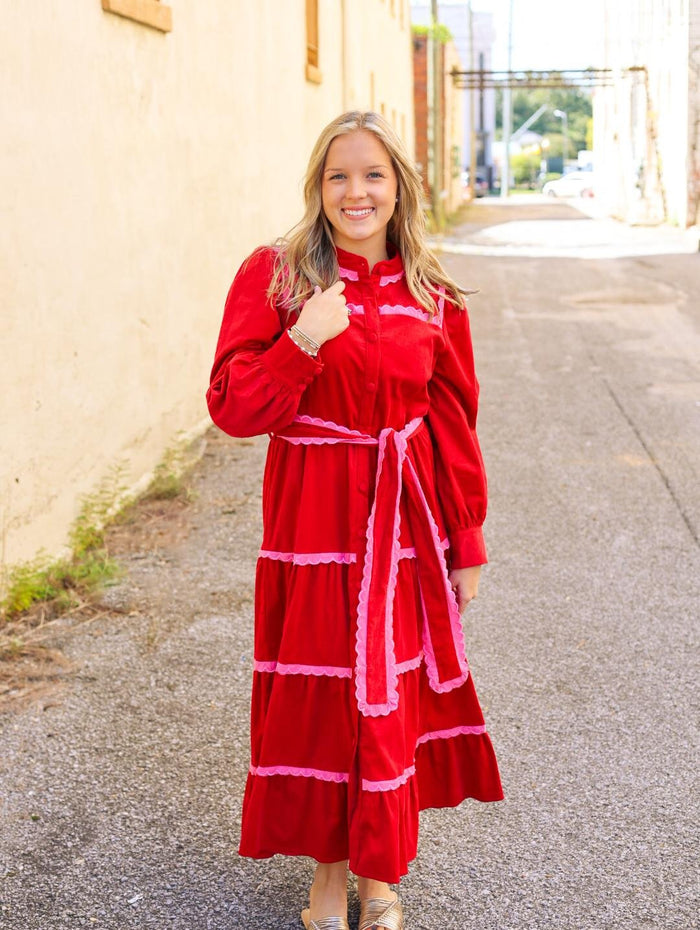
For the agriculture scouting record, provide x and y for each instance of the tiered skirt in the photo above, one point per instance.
(324, 780)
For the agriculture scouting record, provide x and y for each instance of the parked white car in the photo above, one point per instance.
(573, 184)
(482, 185)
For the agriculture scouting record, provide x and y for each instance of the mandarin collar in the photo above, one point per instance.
(358, 263)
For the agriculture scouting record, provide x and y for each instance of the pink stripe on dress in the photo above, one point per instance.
(392, 701)
(390, 784)
(409, 664)
(293, 668)
(416, 312)
(266, 770)
(453, 731)
(409, 552)
(332, 671)
(308, 558)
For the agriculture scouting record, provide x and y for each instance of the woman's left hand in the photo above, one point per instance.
(465, 584)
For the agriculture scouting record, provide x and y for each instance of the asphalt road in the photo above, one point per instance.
(121, 794)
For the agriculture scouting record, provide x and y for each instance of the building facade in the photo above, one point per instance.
(477, 108)
(647, 125)
(147, 147)
(449, 119)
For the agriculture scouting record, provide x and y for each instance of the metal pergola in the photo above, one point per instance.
(585, 77)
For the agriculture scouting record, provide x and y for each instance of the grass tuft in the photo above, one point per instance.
(60, 585)
(170, 475)
(64, 583)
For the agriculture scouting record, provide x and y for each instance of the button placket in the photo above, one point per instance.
(372, 353)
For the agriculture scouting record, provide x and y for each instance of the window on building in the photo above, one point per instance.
(313, 71)
(149, 12)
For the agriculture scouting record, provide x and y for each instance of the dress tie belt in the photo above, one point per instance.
(376, 674)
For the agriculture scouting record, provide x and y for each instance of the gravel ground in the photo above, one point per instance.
(121, 793)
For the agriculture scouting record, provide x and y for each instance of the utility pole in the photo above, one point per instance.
(560, 114)
(473, 103)
(434, 127)
(507, 112)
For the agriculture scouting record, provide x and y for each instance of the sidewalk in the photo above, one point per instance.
(491, 231)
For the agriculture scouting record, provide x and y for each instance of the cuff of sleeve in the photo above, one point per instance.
(290, 365)
(467, 548)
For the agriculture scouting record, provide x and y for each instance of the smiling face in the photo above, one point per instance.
(359, 190)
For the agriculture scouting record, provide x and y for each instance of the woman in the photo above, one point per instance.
(349, 344)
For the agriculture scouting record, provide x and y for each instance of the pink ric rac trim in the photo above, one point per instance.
(309, 558)
(409, 552)
(355, 309)
(431, 662)
(454, 731)
(286, 668)
(331, 671)
(349, 274)
(390, 278)
(416, 312)
(391, 784)
(399, 310)
(455, 620)
(374, 710)
(266, 770)
(409, 664)
(356, 435)
(392, 676)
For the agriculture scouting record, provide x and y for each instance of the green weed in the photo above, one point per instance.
(63, 584)
(170, 475)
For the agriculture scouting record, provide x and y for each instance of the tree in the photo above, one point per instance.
(574, 101)
(525, 167)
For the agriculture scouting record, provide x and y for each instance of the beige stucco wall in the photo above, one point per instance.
(455, 146)
(138, 169)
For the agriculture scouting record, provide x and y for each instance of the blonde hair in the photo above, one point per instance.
(306, 256)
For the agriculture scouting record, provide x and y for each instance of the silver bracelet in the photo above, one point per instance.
(305, 340)
(298, 344)
(300, 334)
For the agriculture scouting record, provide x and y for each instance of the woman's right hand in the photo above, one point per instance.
(325, 314)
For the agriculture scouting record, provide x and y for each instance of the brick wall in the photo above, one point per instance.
(420, 105)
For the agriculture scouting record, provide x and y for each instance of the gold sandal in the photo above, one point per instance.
(378, 912)
(324, 923)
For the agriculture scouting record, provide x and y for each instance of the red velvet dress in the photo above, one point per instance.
(363, 708)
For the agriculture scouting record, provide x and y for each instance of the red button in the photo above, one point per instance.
(371, 386)
(371, 337)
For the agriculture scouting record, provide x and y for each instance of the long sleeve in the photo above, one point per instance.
(259, 374)
(460, 475)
